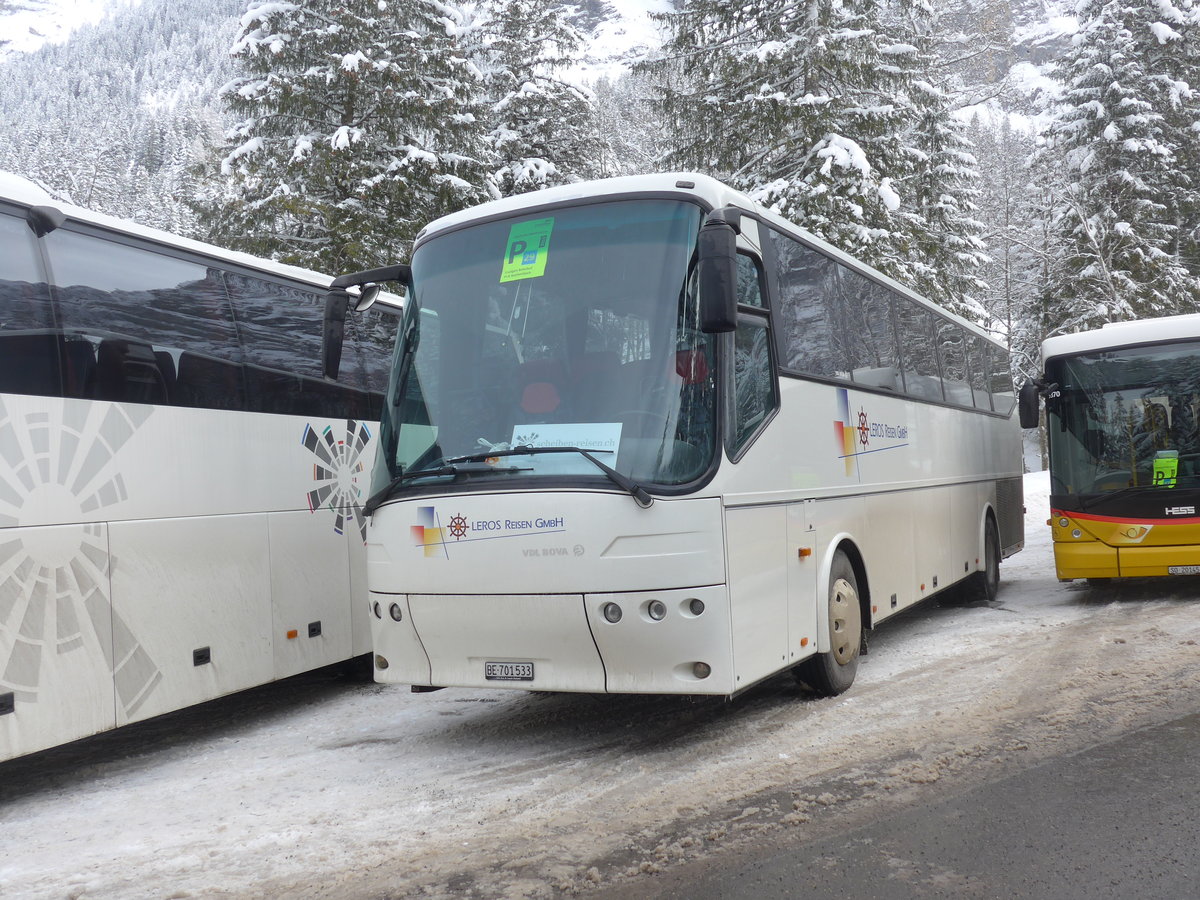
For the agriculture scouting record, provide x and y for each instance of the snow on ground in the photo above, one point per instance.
(317, 787)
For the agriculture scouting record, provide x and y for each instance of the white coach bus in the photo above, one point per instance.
(644, 435)
(180, 479)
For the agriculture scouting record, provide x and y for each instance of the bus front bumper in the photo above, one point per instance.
(1094, 559)
(656, 642)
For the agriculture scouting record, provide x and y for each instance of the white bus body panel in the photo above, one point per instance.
(551, 542)
(169, 513)
(549, 562)
(908, 502)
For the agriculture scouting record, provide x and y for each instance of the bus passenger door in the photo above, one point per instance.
(803, 560)
(758, 591)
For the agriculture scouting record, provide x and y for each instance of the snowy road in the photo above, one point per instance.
(321, 788)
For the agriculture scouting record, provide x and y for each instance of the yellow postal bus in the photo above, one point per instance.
(1121, 412)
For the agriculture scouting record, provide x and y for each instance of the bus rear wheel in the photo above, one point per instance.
(985, 584)
(832, 673)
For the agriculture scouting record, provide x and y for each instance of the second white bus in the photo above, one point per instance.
(644, 435)
(181, 477)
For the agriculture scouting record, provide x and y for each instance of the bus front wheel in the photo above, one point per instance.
(832, 673)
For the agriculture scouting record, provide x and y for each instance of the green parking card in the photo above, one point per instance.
(527, 251)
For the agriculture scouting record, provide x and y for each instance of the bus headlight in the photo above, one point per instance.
(375, 608)
(657, 610)
(1076, 533)
(1063, 523)
(612, 613)
(395, 612)
(701, 670)
(696, 605)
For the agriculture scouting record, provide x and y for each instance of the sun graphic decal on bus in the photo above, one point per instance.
(54, 581)
(339, 473)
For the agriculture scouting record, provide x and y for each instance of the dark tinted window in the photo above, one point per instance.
(160, 327)
(915, 325)
(144, 327)
(1000, 381)
(807, 283)
(30, 350)
(977, 349)
(952, 351)
(754, 396)
(870, 339)
(279, 325)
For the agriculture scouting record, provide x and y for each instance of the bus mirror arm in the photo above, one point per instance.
(368, 281)
(716, 278)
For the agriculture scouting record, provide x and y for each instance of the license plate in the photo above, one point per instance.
(508, 671)
(1183, 570)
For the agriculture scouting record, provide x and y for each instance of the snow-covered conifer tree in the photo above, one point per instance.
(1122, 133)
(947, 250)
(803, 105)
(359, 124)
(540, 127)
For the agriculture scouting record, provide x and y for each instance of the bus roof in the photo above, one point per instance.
(1123, 334)
(19, 190)
(687, 185)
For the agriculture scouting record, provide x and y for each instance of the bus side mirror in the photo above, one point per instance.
(333, 332)
(1027, 405)
(716, 278)
(338, 300)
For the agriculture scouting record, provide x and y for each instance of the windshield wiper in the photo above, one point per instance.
(635, 490)
(384, 494)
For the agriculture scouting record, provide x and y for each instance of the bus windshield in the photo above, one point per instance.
(574, 327)
(1126, 418)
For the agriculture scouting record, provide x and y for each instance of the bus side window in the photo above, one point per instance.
(1000, 381)
(869, 337)
(951, 345)
(29, 345)
(921, 376)
(755, 394)
(145, 308)
(980, 362)
(806, 282)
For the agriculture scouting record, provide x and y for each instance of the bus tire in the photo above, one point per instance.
(985, 584)
(829, 674)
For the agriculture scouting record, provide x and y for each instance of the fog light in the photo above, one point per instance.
(378, 611)
(701, 670)
(396, 614)
(1076, 533)
(612, 612)
(380, 662)
(1063, 523)
(696, 605)
(657, 610)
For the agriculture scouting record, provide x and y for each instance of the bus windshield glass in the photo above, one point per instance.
(573, 327)
(1126, 418)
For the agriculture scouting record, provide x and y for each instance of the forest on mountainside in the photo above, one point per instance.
(1028, 167)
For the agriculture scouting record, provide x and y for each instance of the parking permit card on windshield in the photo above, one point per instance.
(527, 250)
